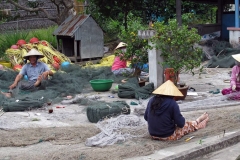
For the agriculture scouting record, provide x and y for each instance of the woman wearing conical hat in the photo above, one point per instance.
(165, 121)
(235, 79)
(36, 72)
(119, 66)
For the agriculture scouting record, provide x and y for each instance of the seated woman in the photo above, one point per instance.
(165, 121)
(119, 66)
(235, 79)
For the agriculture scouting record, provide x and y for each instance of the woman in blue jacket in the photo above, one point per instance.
(165, 121)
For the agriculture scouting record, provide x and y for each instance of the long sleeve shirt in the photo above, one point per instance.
(163, 122)
(118, 63)
(235, 76)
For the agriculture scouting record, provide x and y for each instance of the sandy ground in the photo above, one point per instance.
(38, 135)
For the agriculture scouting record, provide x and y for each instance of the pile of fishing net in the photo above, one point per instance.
(118, 130)
(70, 80)
(131, 89)
(100, 111)
(219, 54)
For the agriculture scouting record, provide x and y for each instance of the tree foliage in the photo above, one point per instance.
(177, 44)
(156, 10)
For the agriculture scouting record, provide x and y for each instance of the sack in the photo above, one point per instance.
(99, 111)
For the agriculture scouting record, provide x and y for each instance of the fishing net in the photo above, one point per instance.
(117, 130)
(103, 110)
(131, 89)
(219, 54)
(70, 80)
(219, 101)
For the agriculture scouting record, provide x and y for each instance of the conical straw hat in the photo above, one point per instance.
(33, 52)
(169, 89)
(236, 57)
(120, 45)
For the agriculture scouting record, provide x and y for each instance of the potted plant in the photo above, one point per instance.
(178, 47)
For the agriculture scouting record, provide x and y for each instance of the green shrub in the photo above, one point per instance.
(10, 38)
(44, 34)
(177, 46)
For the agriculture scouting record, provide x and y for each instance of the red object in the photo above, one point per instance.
(34, 40)
(17, 67)
(56, 59)
(56, 65)
(50, 110)
(60, 107)
(14, 46)
(44, 43)
(21, 42)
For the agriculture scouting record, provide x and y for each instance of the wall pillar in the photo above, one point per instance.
(234, 36)
(154, 58)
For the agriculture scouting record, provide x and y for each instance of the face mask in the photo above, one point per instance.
(237, 63)
(124, 50)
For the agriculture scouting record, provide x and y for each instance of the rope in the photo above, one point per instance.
(2, 113)
(212, 102)
(118, 129)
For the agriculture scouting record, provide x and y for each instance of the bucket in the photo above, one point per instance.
(6, 64)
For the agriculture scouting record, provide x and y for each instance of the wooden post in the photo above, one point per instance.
(178, 12)
(75, 51)
(79, 7)
(220, 10)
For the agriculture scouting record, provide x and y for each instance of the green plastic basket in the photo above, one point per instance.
(101, 85)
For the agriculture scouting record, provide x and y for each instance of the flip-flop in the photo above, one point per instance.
(192, 89)
(226, 81)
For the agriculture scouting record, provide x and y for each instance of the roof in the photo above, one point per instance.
(213, 1)
(70, 25)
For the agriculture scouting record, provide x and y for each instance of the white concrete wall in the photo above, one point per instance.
(234, 36)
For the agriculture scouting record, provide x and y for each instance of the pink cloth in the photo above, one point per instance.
(118, 63)
(1, 67)
(234, 95)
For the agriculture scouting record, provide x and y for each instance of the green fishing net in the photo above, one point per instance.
(70, 80)
(98, 111)
(221, 54)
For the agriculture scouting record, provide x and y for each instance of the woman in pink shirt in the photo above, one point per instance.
(119, 66)
(235, 79)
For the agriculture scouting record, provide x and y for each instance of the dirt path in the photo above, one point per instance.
(68, 142)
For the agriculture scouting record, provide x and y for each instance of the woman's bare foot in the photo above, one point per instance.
(202, 117)
(203, 124)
